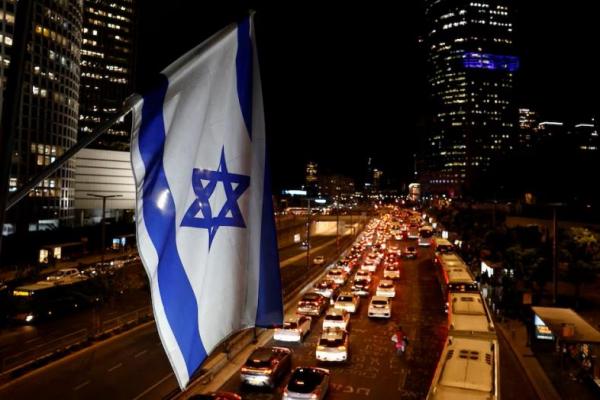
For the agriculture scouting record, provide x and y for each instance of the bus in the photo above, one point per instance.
(45, 299)
(441, 245)
(468, 369)
(469, 314)
(454, 276)
(425, 236)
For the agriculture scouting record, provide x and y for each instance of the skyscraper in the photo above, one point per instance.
(470, 55)
(49, 106)
(107, 67)
(528, 129)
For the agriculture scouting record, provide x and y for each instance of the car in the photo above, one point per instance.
(333, 345)
(312, 304)
(391, 271)
(410, 252)
(307, 383)
(369, 265)
(338, 275)
(336, 318)
(216, 396)
(319, 260)
(361, 287)
(380, 307)
(345, 264)
(363, 275)
(293, 330)
(386, 288)
(266, 366)
(327, 288)
(305, 245)
(347, 301)
(63, 273)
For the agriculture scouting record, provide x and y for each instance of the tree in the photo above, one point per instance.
(581, 250)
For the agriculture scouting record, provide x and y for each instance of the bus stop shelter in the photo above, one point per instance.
(574, 336)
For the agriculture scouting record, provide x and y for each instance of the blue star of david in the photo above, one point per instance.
(234, 184)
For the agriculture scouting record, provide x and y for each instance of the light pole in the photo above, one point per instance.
(308, 236)
(337, 223)
(103, 197)
(554, 254)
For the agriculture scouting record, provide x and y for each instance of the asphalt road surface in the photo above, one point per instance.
(374, 370)
(133, 366)
(130, 366)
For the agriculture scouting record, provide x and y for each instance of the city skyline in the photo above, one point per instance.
(355, 77)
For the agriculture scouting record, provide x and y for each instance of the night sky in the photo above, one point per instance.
(343, 82)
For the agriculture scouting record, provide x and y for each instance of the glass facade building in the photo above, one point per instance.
(49, 111)
(107, 68)
(471, 71)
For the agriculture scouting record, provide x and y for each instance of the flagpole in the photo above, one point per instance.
(84, 142)
(12, 99)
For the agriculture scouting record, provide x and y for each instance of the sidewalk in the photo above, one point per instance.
(515, 334)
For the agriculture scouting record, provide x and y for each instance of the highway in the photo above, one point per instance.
(132, 365)
(374, 371)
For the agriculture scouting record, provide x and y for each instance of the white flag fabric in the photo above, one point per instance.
(204, 213)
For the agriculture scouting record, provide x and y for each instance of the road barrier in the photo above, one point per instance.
(45, 351)
(58, 347)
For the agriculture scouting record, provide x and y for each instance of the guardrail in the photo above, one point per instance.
(238, 342)
(45, 351)
(63, 344)
(125, 320)
(229, 348)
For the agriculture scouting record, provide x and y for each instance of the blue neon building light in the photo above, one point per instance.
(490, 61)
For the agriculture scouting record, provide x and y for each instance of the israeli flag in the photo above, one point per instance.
(205, 225)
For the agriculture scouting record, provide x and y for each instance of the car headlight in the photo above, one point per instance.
(29, 318)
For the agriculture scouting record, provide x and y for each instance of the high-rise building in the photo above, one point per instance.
(528, 129)
(471, 60)
(107, 67)
(49, 107)
(587, 139)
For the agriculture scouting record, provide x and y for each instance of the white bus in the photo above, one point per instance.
(441, 245)
(454, 276)
(468, 369)
(469, 314)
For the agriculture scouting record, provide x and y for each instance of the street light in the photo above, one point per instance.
(104, 197)
(554, 251)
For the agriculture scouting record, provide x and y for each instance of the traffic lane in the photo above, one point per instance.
(513, 380)
(123, 370)
(296, 273)
(18, 338)
(294, 250)
(116, 370)
(374, 370)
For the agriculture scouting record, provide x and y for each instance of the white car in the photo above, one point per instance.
(336, 318)
(347, 301)
(307, 383)
(370, 266)
(391, 271)
(360, 275)
(333, 346)
(327, 288)
(386, 288)
(318, 260)
(380, 307)
(294, 330)
(63, 273)
(338, 275)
